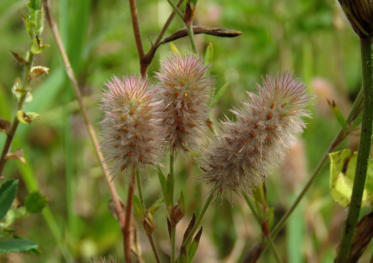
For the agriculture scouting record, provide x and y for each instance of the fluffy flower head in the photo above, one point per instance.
(266, 125)
(131, 126)
(185, 91)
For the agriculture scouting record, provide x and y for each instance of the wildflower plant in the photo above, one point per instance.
(185, 90)
(132, 134)
(266, 125)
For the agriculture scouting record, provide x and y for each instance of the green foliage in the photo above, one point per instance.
(342, 173)
(8, 191)
(35, 202)
(17, 245)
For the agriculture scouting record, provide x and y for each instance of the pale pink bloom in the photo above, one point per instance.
(266, 125)
(132, 134)
(185, 91)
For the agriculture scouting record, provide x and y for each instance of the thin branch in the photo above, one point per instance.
(150, 55)
(137, 34)
(117, 204)
(213, 31)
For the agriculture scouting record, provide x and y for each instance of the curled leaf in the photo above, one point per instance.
(19, 58)
(16, 155)
(341, 178)
(38, 71)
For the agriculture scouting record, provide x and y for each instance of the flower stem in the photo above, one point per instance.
(363, 154)
(173, 226)
(127, 225)
(148, 234)
(259, 220)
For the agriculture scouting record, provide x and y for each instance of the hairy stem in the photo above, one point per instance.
(117, 204)
(260, 223)
(20, 104)
(363, 154)
(127, 225)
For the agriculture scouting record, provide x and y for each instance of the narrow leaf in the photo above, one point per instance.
(209, 55)
(337, 114)
(8, 191)
(194, 246)
(17, 245)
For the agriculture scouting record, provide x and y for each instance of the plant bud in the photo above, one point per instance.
(360, 15)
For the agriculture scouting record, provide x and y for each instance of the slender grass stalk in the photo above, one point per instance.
(173, 226)
(363, 154)
(13, 128)
(259, 220)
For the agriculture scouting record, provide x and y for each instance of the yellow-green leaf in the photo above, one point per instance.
(342, 173)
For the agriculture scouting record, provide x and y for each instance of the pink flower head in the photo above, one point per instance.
(266, 125)
(131, 126)
(185, 91)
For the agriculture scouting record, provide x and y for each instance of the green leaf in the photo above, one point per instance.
(35, 202)
(8, 191)
(194, 246)
(162, 181)
(337, 114)
(209, 55)
(154, 207)
(220, 92)
(341, 178)
(17, 245)
(138, 208)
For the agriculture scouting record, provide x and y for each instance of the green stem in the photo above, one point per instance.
(173, 226)
(148, 234)
(363, 154)
(188, 27)
(259, 220)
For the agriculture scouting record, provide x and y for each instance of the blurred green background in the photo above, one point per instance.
(312, 39)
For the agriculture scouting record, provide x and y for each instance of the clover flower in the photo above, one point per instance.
(185, 90)
(267, 123)
(132, 135)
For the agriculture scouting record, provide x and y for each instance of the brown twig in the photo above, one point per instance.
(127, 226)
(137, 34)
(150, 54)
(213, 31)
(117, 204)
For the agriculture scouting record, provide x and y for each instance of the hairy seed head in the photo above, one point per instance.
(185, 91)
(131, 126)
(266, 125)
